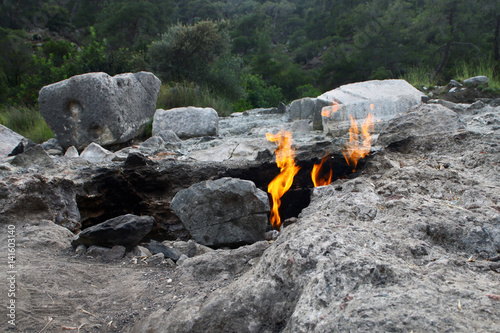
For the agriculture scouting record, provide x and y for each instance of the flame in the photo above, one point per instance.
(359, 146)
(285, 160)
(315, 174)
(327, 111)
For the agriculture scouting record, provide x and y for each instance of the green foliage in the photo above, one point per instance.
(258, 94)
(190, 94)
(477, 67)
(26, 121)
(419, 77)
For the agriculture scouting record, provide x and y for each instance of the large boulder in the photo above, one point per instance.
(126, 230)
(8, 140)
(186, 122)
(384, 99)
(96, 107)
(225, 211)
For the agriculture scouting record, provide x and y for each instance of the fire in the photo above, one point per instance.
(285, 160)
(317, 179)
(327, 111)
(358, 145)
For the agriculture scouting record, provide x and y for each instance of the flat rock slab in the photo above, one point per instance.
(221, 212)
(384, 99)
(126, 230)
(96, 107)
(188, 122)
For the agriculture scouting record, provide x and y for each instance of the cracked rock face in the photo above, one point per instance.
(225, 211)
(96, 107)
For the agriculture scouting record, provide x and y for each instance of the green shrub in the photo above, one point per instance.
(478, 67)
(189, 94)
(26, 121)
(419, 77)
(258, 94)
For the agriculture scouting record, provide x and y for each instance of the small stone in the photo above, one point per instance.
(182, 259)
(116, 253)
(157, 247)
(272, 235)
(80, 250)
(71, 152)
(188, 248)
(95, 251)
(156, 259)
(96, 153)
(476, 81)
(33, 156)
(141, 251)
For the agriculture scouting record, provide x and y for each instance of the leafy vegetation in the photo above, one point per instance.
(233, 55)
(26, 121)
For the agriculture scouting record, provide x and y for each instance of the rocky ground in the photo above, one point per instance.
(409, 243)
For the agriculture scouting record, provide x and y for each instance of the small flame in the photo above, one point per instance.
(317, 179)
(285, 160)
(358, 145)
(327, 111)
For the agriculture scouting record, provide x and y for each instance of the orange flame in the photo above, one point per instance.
(285, 160)
(358, 147)
(316, 173)
(327, 111)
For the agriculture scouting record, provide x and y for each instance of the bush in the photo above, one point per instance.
(26, 121)
(481, 66)
(189, 94)
(258, 94)
(419, 77)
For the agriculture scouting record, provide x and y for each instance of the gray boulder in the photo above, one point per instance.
(35, 156)
(476, 81)
(96, 107)
(8, 140)
(226, 211)
(388, 97)
(126, 230)
(308, 108)
(187, 122)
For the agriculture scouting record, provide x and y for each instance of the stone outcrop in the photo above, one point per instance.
(222, 212)
(96, 107)
(310, 109)
(8, 141)
(187, 122)
(126, 230)
(384, 99)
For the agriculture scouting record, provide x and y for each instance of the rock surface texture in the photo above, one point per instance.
(8, 140)
(186, 122)
(223, 212)
(408, 242)
(384, 99)
(98, 108)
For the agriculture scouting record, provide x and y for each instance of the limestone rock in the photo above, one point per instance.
(71, 152)
(388, 97)
(226, 211)
(187, 122)
(152, 146)
(96, 107)
(168, 252)
(96, 153)
(421, 121)
(127, 230)
(308, 108)
(476, 81)
(8, 140)
(35, 156)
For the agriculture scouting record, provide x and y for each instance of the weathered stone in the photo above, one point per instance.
(52, 147)
(169, 136)
(95, 153)
(156, 259)
(37, 198)
(8, 140)
(168, 252)
(187, 122)
(71, 152)
(43, 234)
(35, 156)
(308, 108)
(421, 121)
(141, 251)
(96, 107)
(127, 230)
(95, 251)
(23, 146)
(226, 211)
(383, 99)
(152, 146)
(476, 81)
(115, 253)
(187, 248)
